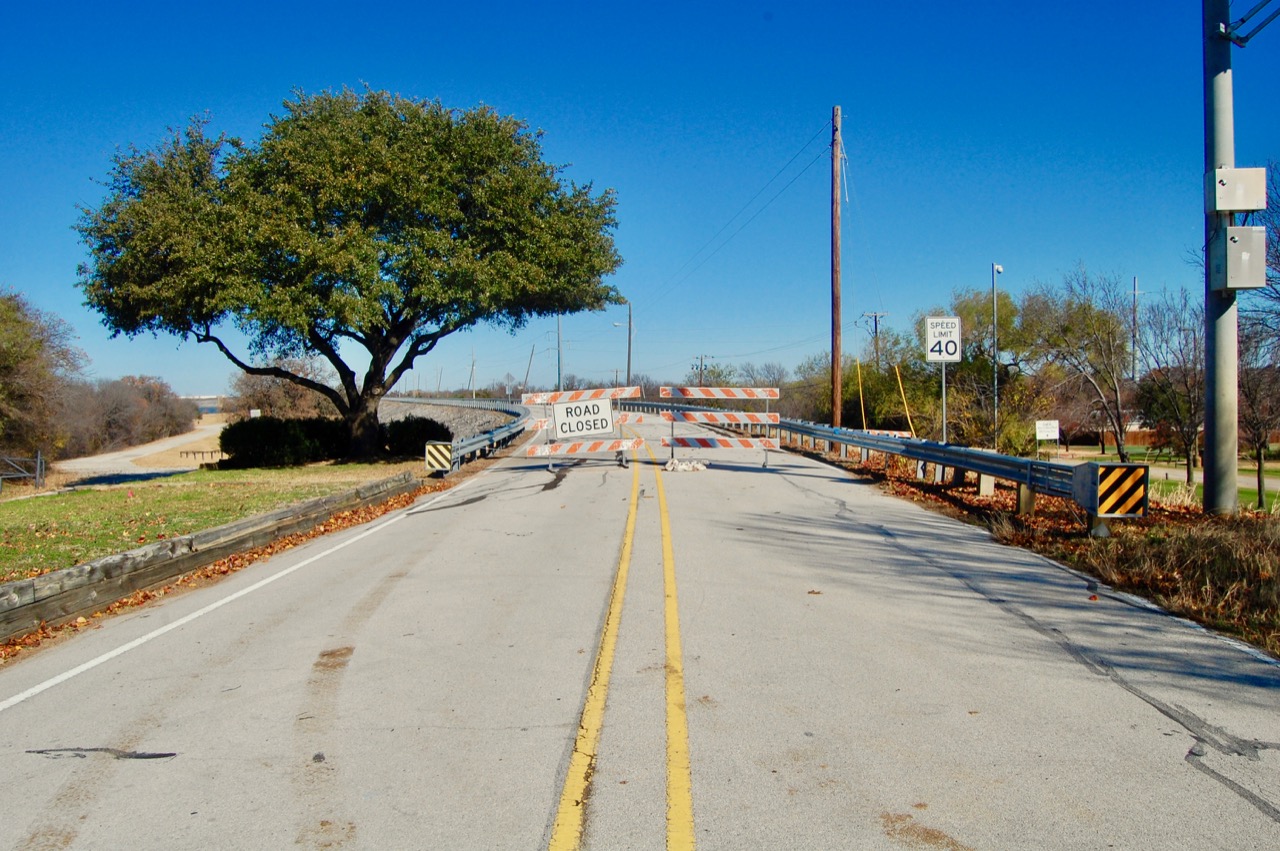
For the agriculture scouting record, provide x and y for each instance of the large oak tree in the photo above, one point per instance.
(363, 222)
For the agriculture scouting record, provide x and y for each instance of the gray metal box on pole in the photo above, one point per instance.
(1235, 190)
(1246, 258)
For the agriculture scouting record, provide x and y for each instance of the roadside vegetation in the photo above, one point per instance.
(46, 407)
(60, 530)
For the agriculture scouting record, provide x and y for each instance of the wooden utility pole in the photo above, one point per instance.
(837, 401)
(875, 334)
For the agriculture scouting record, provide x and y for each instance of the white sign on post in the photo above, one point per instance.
(583, 418)
(942, 339)
(1046, 429)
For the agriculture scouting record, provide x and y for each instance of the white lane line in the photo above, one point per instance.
(212, 607)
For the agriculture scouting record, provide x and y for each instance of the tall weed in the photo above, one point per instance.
(1222, 571)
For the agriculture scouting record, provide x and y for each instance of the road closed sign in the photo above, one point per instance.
(942, 339)
(580, 419)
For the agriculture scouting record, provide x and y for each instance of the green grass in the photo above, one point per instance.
(47, 533)
(1245, 467)
(1176, 490)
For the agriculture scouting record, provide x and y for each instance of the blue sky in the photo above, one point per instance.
(1036, 135)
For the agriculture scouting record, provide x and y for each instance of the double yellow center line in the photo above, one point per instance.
(567, 832)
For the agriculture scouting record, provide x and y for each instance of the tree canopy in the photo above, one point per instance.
(37, 360)
(365, 220)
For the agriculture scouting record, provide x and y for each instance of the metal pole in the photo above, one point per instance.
(559, 357)
(630, 332)
(944, 401)
(837, 402)
(1220, 315)
(996, 269)
(1133, 345)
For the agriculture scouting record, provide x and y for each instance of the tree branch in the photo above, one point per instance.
(206, 336)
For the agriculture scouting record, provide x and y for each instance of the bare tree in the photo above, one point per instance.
(282, 398)
(764, 375)
(1081, 326)
(1170, 394)
(1263, 306)
(113, 414)
(1259, 382)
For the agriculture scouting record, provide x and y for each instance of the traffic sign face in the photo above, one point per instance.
(942, 339)
(579, 419)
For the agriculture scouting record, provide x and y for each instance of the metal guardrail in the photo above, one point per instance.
(1041, 477)
(13, 468)
(479, 445)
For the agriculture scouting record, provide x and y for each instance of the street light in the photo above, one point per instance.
(630, 333)
(996, 269)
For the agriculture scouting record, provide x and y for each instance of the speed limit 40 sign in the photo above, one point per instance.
(942, 339)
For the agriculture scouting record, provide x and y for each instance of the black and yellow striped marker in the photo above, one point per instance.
(440, 456)
(1122, 490)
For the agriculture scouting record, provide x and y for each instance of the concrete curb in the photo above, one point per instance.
(62, 595)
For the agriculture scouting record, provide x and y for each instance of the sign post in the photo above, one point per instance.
(942, 345)
(1046, 430)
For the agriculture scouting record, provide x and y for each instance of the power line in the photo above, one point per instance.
(752, 199)
(678, 279)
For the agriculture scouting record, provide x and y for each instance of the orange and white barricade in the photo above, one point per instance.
(765, 443)
(544, 450)
(735, 418)
(556, 396)
(729, 418)
(718, 392)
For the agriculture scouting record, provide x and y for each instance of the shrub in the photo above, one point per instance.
(408, 436)
(272, 442)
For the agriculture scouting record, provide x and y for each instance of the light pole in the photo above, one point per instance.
(996, 269)
(630, 333)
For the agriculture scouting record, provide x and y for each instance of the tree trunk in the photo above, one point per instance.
(1262, 479)
(365, 432)
(1191, 465)
(1121, 449)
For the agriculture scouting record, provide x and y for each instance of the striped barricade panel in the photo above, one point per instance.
(721, 442)
(439, 456)
(718, 392)
(543, 450)
(722, 417)
(1111, 490)
(556, 396)
(1122, 491)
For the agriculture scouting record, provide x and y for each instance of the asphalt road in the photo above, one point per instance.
(627, 658)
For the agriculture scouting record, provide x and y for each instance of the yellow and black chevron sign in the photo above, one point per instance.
(1122, 490)
(440, 456)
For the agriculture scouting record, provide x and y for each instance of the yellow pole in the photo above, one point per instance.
(904, 400)
(862, 403)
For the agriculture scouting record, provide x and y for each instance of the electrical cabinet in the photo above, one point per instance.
(1235, 190)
